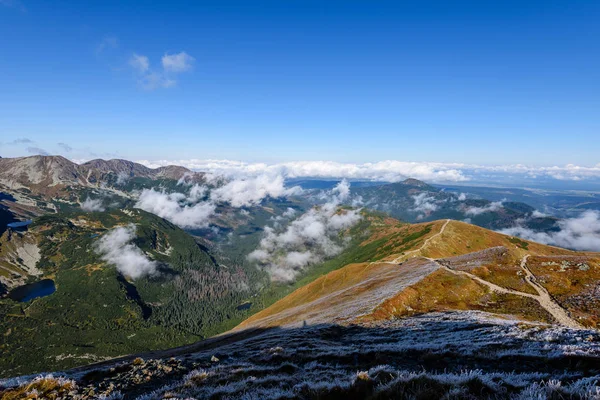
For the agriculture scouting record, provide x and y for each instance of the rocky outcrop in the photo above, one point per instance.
(19, 255)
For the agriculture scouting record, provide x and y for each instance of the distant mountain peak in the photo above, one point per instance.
(415, 182)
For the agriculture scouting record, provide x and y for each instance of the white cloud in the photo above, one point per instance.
(298, 259)
(139, 63)
(580, 233)
(424, 203)
(122, 177)
(115, 248)
(473, 211)
(390, 170)
(538, 214)
(343, 220)
(197, 193)
(154, 80)
(462, 197)
(251, 191)
(195, 209)
(164, 77)
(186, 179)
(306, 240)
(569, 172)
(177, 208)
(91, 205)
(179, 62)
(289, 213)
(107, 43)
(341, 191)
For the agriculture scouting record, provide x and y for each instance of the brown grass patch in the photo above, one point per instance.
(462, 238)
(91, 268)
(574, 282)
(40, 388)
(443, 291)
(497, 265)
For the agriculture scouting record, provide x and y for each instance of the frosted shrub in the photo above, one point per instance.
(196, 377)
(362, 376)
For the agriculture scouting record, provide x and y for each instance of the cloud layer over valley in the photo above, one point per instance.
(579, 233)
(91, 205)
(309, 239)
(195, 209)
(388, 171)
(493, 206)
(251, 191)
(288, 245)
(393, 170)
(178, 208)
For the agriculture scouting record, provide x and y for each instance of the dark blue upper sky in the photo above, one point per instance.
(449, 81)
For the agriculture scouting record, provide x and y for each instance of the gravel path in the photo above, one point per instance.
(543, 297)
(425, 243)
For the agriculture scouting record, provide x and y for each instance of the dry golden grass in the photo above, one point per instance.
(40, 388)
(462, 238)
(138, 361)
(398, 239)
(83, 221)
(91, 268)
(574, 281)
(333, 291)
(497, 265)
(437, 292)
(506, 276)
(327, 284)
(385, 228)
(442, 291)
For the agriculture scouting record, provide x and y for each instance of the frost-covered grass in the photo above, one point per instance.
(386, 382)
(451, 355)
(454, 355)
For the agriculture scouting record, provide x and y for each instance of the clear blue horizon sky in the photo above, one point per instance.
(350, 81)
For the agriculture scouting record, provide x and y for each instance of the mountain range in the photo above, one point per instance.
(57, 171)
(374, 291)
(414, 201)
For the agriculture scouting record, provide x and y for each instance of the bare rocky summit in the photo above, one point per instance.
(48, 175)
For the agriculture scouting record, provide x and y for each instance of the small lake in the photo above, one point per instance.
(244, 306)
(19, 224)
(6, 196)
(31, 291)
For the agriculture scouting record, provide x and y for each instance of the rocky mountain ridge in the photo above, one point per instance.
(42, 173)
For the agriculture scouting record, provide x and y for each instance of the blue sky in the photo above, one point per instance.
(274, 81)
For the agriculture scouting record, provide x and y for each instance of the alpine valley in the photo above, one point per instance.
(122, 281)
